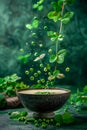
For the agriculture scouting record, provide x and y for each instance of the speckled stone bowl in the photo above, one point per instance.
(43, 104)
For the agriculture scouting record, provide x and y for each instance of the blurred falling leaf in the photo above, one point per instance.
(24, 58)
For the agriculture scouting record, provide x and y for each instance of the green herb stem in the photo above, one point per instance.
(60, 30)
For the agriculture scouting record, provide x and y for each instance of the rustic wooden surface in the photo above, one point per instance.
(7, 124)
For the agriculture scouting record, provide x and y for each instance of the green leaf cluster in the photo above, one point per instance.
(16, 115)
(66, 18)
(56, 16)
(34, 24)
(38, 5)
(79, 98)
(59, 58)
(55, 36)
(67, 118)
(8, 84)
(24, 58)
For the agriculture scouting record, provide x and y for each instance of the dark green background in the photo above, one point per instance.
(15, 14)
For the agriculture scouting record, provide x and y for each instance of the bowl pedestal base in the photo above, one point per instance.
(47, 115)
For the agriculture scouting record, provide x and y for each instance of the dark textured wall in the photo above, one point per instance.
(14, 14)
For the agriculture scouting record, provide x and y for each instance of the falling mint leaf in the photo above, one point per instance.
(35, 23)
(29, 26)
(66, 18)
(24, 58)
(62, 51)
(53, 58)
(40, 7)
(56, 72)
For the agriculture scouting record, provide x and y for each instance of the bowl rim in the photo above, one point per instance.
(67, 91)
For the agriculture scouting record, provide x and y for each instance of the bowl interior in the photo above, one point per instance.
(51, 91)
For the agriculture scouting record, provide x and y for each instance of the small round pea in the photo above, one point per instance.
(40, 120)
(33, 43)
(43, 80)
(31, 77)
(39, 72)
(38, 81)
(58, 124)
(47, 121)
(45, 69)
(50, 50)
(44, 125)
(22, 118)
(33, 34)
(36, 54)
(27, 72)
(36, 74)
(36, 124)
(67, 69)
(45, 27)
(21, 50)
(41, 65)
(40, 45)
(31, 69)
(51, 120)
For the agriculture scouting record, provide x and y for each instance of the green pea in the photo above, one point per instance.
(33, 43)
(31, 69)
(40, 45)
(31, 77)
(35, 121)
(44, 125)
(50, 50)
(33, 34)
(36, 54)
(58, 124)
(44, 119)
(67, 69)
(27, 72)
(39, 72)
(36, 74)
(21, 50)
(40, 120)
(48, 66)
(47, 121)
(38, 81)
(36, 124)
(45, 27)
(22, 118)
(41, 65)
(49, 73)
(43, 80)
(51, 120)
(45, 69)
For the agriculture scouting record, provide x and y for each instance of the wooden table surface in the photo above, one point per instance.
(8, 124)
